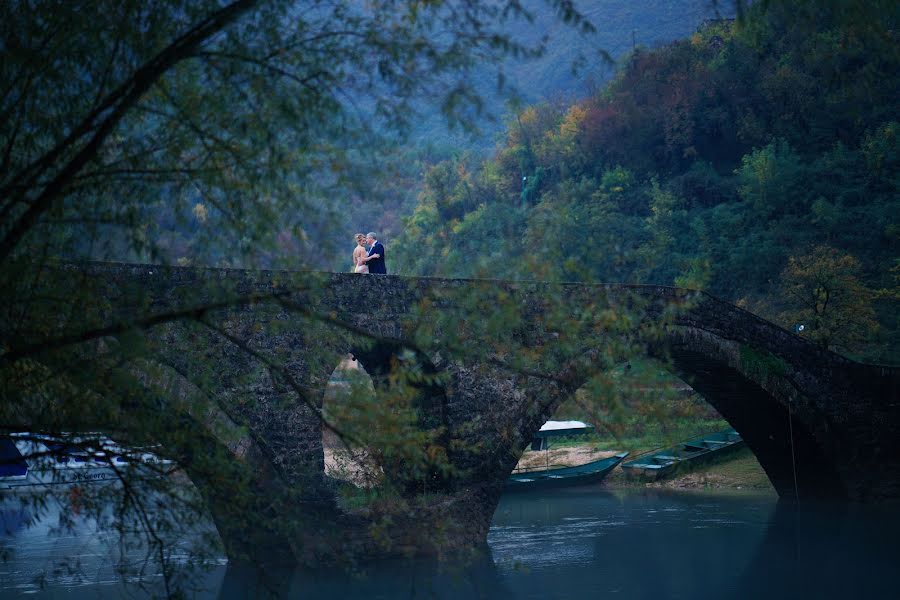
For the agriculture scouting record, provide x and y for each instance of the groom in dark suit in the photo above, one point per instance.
(375, 258)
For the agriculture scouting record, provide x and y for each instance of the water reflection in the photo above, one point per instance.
(476, 577)
(821, 550)
(48, 551)
(574, 543)
(631, 544)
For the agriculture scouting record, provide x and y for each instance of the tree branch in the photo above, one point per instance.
(264, 64)
(196, 313)
(281, 371)
(118, 103)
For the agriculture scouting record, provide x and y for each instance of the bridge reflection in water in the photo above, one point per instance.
(574, 543)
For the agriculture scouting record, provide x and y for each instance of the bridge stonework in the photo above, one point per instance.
(819, 424)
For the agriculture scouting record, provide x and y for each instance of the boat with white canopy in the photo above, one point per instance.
(553, 476)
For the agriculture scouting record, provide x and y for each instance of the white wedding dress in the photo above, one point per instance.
(360, 267)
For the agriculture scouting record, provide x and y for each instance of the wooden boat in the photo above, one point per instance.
(586, 474)
(552, 476)
(683, 457)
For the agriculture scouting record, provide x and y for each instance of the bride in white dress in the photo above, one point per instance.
(358, 253)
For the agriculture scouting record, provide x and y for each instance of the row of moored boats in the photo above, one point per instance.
(651, 466)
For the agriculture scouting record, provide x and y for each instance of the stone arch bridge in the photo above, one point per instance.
(819, 424)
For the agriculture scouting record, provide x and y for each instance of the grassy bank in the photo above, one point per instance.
(739, 471)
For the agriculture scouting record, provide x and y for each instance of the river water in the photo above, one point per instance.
(578, 543)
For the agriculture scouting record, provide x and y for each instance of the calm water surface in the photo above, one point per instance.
(580, 543)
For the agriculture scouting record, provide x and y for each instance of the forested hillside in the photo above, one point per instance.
(572, 63)
(757, 160)
(380, 181)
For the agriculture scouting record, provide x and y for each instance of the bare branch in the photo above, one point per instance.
(280, 371)
(196, 313)
(115, 107)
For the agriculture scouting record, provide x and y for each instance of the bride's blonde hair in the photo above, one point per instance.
(359, 237)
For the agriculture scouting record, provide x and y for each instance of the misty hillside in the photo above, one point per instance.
(573, 64)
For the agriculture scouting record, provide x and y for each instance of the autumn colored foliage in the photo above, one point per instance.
(715, 162)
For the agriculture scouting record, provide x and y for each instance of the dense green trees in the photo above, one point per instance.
(710, 163)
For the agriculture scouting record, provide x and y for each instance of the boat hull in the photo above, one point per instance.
(586, 474)
(43, 480)
(35, 462)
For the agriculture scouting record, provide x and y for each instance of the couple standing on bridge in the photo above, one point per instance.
(371, 260)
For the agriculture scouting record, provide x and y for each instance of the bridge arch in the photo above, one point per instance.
(349, 390)
(397, 371)
(775, 389)
(781, 441)
(220, 451)
(780, 435)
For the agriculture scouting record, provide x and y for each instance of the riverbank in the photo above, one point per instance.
(739, 471)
